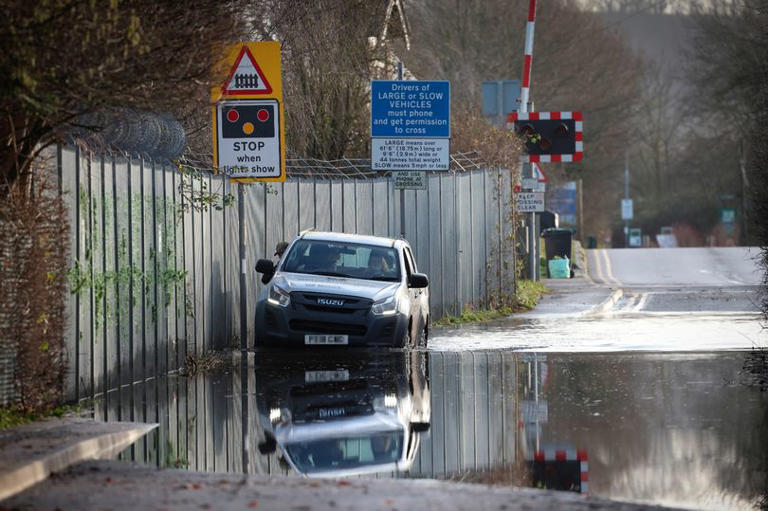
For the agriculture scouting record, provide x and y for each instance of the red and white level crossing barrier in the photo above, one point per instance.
(528, 57)
(579, 455)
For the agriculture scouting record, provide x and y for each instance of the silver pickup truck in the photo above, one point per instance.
(335, 289)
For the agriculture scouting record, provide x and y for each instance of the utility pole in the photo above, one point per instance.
(744, 187)
(533, 245)
(626, 196)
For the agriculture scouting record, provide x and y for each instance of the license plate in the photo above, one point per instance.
(326, 339)
(322, 376)
(331, 413)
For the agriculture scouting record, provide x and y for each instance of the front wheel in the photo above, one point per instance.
(424, 338)
(406, 342)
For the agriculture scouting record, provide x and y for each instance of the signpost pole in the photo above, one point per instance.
(523, 108)
(626, 196)
(243, 281)
(402, 190)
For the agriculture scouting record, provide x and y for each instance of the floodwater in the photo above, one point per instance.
(624, 331)
(686, 429)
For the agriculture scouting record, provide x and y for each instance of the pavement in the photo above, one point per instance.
(30, 453)
(571, 298)
(126, 486)
(575, 297)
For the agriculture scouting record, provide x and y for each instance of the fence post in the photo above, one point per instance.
(457, 237)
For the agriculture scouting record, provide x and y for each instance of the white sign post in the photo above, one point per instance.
(410, 154)
(408, 180)
(626, 209)
(533, 184)
(530, 202)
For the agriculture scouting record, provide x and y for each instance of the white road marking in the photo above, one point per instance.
(633, 303)
(641, 302)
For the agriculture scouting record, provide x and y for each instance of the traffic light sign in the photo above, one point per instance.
(550, 136)
(248, 121)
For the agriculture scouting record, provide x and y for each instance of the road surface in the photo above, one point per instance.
(675, 267)
(682, 299)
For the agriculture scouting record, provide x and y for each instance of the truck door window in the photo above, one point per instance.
(411, 263)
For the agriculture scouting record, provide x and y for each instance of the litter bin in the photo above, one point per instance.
(557, 243)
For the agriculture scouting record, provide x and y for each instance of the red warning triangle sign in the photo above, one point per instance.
(246, 77)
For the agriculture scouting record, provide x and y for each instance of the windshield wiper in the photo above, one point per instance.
(383, 278)
(329, 274)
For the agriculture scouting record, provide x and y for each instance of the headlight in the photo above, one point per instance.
(274, 415)
(388, 400)
(385, 307)
(278, 296)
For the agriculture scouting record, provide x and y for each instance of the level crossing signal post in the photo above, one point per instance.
(533, 245)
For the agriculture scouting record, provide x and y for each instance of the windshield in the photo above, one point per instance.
(346, 453)
(343, 260)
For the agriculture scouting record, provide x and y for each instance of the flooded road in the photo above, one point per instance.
(645, 392)
(680, 429)
(625, 331)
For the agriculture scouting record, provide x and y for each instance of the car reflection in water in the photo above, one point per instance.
(344, 414)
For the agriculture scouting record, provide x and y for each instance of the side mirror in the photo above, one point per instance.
(269, 445)
(420, 427)
(418, 281)
(265, 266)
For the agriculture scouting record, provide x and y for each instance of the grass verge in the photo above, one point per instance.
(15, 415)
(528, 295)
(199, 364)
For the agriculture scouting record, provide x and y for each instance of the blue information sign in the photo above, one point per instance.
(410, 109)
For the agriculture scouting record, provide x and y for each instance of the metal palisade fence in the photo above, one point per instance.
(156, 265)
(215, 424)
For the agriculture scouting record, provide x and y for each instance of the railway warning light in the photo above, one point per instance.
(550, 136)
(526, 130)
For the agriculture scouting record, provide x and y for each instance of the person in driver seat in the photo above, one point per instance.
(322, 258)
(377, 262)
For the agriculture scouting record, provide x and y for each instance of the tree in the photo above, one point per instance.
(64, 59)
(730, 73)
(578, 64)
(326, 69)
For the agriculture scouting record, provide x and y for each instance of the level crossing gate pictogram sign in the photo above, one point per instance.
(248, 135)
(246, 76)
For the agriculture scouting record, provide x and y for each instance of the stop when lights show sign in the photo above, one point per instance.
(249, 140)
